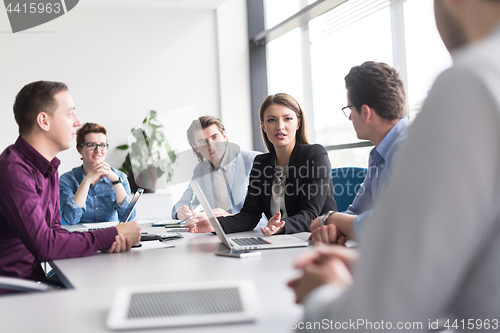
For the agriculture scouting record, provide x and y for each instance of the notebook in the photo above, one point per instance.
(125, 216)
(244, 243)
(183, 304)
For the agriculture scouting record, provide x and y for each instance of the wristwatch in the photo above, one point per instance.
(325, 217)
(119, 181)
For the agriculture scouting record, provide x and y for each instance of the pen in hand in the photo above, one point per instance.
(192, 200)
(182, 221)
(190, 207)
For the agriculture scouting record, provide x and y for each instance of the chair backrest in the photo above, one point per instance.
(346, 184)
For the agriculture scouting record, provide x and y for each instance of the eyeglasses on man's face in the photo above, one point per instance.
(347, 110)
(93, 145)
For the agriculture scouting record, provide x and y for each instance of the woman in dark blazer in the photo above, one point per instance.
(291, 184)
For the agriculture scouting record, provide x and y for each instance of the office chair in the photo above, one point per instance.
(346, 183)
(22, 285)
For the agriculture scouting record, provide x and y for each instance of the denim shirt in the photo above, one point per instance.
(100, 206)
(380, 168)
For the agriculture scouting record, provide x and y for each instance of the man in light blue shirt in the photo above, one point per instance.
(377, 108)
(222, 172)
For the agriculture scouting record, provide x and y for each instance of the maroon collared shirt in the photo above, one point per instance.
(30, 220)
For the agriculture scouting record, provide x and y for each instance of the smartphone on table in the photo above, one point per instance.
(238, 253)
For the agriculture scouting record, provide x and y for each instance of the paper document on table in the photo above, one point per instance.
(149, 221)
(114, 224)
(151, 245)
(164, 221)
(100, 225)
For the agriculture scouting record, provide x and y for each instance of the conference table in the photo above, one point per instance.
(92, 282)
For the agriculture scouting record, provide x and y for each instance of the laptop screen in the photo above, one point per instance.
(208, 210)
(132, 204)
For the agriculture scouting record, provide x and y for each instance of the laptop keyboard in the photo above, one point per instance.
(250, 241)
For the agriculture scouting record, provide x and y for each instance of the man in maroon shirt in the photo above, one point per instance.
(30, 220)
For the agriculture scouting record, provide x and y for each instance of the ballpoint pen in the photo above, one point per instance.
(192, 200)
(175, 225)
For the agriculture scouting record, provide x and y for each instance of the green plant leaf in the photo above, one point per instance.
(151, 149)
(126, 166)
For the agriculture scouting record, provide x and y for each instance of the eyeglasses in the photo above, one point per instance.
(347, 110)
(93, 145)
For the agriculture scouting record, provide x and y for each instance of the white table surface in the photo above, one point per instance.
(95, 278)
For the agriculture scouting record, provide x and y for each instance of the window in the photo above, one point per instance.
(339, 41)
(285, 76)
(426, 57)
(311, 55)
(279, 10)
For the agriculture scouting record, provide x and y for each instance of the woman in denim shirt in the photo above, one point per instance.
(94, 191)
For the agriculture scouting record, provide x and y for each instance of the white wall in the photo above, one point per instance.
(234, 64)
(120, 62)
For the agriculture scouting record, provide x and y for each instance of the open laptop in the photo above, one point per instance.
(183, 304)
(244, 243)
(126, 214)
(131, 205)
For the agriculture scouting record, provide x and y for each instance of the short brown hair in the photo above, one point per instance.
(34, 98)
(379, 86)
(290, 103)
(199, 125)
(86, 129)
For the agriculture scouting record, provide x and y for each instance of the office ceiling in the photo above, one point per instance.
(187, 4)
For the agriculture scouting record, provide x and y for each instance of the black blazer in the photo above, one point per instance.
(308, 190)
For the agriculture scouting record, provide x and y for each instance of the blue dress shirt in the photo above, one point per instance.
(100, 206)
(380, 167)
(238, 167)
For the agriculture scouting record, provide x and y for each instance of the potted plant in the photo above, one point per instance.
(149, 155)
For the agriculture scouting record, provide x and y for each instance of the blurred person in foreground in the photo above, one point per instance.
(432, 246)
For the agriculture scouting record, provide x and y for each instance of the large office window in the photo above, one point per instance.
(340, 39)
(279, 10)
(286, 76)
(426, 54)
(310, 59)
